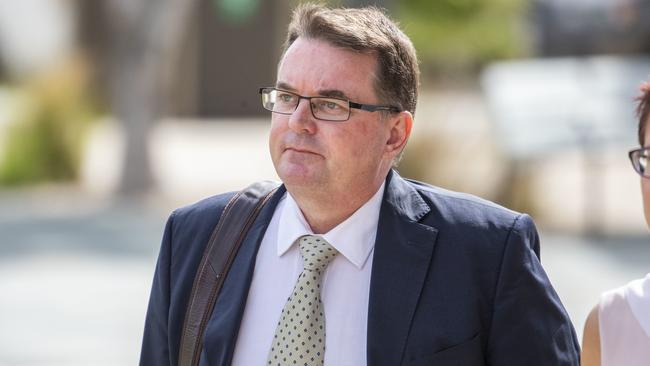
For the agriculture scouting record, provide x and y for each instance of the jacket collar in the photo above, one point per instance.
(404, 200)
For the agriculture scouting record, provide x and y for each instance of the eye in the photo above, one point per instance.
(331, 105)
(285, 97)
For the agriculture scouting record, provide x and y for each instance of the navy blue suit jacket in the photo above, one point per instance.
(456, 280)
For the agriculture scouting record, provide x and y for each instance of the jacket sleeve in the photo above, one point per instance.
(529, 324)
(155, 342)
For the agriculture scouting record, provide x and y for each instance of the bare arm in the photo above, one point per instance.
(591, 340)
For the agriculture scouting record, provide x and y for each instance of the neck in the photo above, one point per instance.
(324, 210)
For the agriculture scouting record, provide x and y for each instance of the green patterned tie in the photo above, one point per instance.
(300, 335)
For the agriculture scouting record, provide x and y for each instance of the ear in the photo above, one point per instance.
(400, 126)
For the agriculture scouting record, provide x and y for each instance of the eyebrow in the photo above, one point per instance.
(332, 93)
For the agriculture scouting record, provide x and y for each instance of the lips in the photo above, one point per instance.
(300, 150)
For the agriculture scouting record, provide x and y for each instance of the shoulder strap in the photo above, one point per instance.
(236, 219)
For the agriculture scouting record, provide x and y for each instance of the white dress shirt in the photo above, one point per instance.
(344, 291)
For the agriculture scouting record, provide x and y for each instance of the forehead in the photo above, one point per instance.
(312, 65)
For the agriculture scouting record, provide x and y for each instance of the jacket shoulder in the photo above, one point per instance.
(466, 208)
(208, 209)
(191, 226)
(476, 223)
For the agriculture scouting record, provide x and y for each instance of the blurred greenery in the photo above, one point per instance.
(236, 11)
(462, 35)
(44, 139)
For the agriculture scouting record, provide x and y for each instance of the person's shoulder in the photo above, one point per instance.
(466, 208)
(614, 304)
(446, 197)
(616, 296)
(633, 296)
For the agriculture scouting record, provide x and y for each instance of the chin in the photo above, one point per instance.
(297, 180)
(297, 175)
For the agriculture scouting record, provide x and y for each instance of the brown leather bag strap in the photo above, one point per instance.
(234, 223)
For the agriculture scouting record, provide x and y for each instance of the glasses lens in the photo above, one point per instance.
(330, 109)
(279, 101)
(284, 102)
(642, 162)
(267, 99)
(639, 160)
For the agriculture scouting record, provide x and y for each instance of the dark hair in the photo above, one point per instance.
(365, 30)
(643, 111)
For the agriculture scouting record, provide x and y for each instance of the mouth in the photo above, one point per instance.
(303, 151)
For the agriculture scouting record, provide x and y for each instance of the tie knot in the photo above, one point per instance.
(316, 252)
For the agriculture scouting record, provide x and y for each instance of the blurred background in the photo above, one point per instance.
(114, 112)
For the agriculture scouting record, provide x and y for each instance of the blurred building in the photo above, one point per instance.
(566, 120)
(223, 58)
(583, 27)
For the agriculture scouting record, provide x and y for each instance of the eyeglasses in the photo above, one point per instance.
(323, 108)
(639, 159)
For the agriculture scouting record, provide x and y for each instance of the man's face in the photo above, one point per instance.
(329, 156)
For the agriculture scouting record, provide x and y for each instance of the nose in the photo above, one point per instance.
(302, 119)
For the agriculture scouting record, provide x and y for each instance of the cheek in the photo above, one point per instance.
(365, 144)
(349, 142)
(373, 137)
(275, 132)
(275, 141)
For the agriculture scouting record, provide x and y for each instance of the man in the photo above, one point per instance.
(410, 274)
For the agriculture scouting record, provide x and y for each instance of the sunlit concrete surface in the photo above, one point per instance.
(75, 274)
(66, 309)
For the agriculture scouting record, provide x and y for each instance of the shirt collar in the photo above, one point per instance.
(354, 238)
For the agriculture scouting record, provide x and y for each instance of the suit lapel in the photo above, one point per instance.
(223, 327)
(402, 256)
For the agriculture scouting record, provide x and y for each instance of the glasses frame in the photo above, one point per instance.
(352, 105)
(634, 156)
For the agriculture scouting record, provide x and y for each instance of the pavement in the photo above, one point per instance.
(75, 274)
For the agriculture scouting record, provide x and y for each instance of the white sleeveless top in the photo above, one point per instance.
(624, 321)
